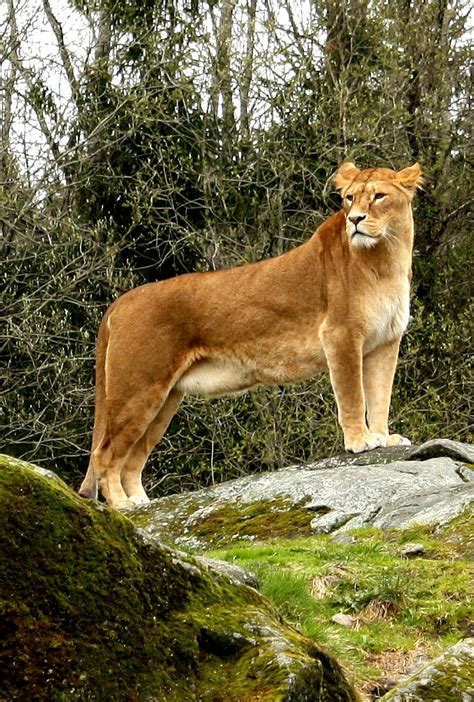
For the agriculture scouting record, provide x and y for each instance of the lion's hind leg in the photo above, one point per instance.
(126, 423)
(133, 466)
(89, 486)
(107, 460)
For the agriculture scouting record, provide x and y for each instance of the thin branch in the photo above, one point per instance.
(7, 86)
(66, 59)
(247, 70)
(104, 38)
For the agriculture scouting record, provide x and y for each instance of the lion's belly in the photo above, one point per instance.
(389, 319)
(266, 364)
(291, 361)
(214, 377)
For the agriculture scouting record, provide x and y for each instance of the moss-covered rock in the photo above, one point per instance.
(90, 609)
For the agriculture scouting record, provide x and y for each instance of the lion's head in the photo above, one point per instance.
(375, 200)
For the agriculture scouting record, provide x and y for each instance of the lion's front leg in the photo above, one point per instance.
(344, 357)
(378, 373)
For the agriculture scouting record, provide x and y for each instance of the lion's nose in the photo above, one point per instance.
(355, 219)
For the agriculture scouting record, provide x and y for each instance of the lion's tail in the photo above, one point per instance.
(89, 486)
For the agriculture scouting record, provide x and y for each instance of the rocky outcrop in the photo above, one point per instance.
(448, 678)
(389, 488)
(94, 606)
(93, 609)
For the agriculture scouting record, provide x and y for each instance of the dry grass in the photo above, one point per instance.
(394, 665)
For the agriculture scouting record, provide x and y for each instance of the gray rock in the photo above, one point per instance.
(443, 447)
(437, 507)
(386, 495)
(330, 521)
(373, 458)
(466, 473)
(448, 678)
(343, 539)
(412, 550)
(231, 571)
(344, 620)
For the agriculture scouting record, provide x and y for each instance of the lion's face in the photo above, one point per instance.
(374, 200)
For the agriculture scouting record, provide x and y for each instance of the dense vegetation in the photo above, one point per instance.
(162, 137)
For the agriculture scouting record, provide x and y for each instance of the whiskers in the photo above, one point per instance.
(390, 237)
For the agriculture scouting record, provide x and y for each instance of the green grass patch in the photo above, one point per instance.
(397, 604)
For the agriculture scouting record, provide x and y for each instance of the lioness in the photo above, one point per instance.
(340, 301)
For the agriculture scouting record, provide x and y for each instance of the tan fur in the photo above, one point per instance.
(340, 301)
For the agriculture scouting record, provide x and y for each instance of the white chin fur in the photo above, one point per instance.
(363, 242)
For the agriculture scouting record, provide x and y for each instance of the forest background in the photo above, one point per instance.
(161, 137)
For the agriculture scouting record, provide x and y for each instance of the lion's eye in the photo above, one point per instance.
(350, 198)
(379, 196)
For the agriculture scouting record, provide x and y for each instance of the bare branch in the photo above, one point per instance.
(102, 47)
(222, 86)
(64, 53)
(7, 86)
(247, 71)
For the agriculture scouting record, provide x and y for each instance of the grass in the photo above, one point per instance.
(401, 608)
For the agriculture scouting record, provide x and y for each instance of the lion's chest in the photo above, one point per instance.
(388, 318)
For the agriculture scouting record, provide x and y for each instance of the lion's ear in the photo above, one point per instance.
(411, 178)
(345, 174)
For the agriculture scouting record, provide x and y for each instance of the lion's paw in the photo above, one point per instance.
(129, 502)
(136, 500)
(398, 440)
(367, 442)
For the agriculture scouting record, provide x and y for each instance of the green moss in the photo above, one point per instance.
(459, 534)
(196, 521)
(92, 611)
(71, 579)
(258, 520)
(448, 678)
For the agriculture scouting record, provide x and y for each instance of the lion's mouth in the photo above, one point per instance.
(363, 240)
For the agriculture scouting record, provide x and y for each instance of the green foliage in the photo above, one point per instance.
(53, 304)
(432, 394)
